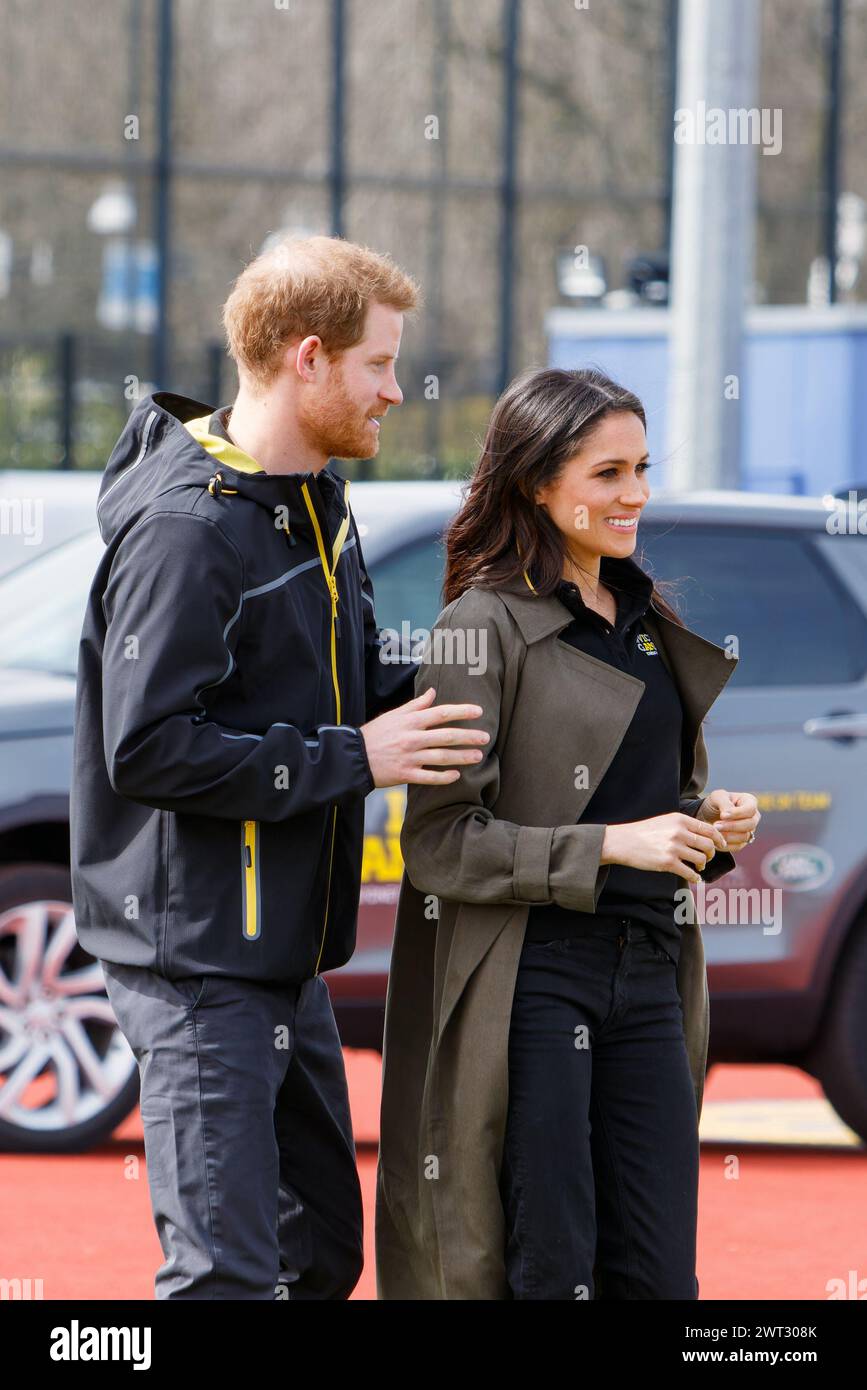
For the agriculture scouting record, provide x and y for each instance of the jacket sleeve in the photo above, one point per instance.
(389, 669)
(690, 802)
(172, 607)
(453, 846)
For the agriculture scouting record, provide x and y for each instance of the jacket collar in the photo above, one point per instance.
(329, 481)
(537, 616)
(272, 490)
(269, 490)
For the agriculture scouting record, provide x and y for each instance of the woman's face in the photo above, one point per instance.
(601, 484)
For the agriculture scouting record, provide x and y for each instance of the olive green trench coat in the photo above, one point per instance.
(477, 853)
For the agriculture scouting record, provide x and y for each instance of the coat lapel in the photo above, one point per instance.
(700, 668)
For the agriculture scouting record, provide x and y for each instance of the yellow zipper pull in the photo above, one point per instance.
(332, 584)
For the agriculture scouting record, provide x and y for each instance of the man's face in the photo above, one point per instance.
(339, 415)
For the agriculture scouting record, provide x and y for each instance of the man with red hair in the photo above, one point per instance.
(232, 713)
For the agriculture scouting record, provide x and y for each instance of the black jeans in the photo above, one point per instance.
(599, 1179)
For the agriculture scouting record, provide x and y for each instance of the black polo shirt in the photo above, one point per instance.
(643, 777)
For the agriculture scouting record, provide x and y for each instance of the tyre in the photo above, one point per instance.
(839, 1057)
(67, 1074)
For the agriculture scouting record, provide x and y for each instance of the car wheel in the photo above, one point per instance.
(68, 1077)
(839, 1058)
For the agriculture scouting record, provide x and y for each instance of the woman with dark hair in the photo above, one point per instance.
(547, 1015)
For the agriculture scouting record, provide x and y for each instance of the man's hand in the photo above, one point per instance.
(402, 742)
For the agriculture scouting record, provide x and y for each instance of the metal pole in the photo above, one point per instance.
(508, 188)
(214, 357)
(671, 25)
(131, 267)
(436, 236)
(162, 194)
(66, 372)
(712, 240)
(337, 176)
(832, 142)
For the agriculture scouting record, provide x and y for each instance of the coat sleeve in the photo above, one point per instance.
(389, 675)
(172, 613)
(690, 802)
(453, 846)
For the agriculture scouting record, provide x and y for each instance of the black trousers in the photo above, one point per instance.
(248, 1135)
(599, 1179)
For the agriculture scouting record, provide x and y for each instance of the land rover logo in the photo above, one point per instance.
(797, 867)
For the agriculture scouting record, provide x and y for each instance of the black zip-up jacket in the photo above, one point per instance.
(228, 656)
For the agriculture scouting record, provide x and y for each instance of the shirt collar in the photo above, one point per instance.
(626, 580)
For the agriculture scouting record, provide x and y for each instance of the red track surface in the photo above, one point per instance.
(794, 1218)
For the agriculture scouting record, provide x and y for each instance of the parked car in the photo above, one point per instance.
(42, 508)
(791, 726)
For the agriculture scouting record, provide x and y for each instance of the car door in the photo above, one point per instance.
(790, 727)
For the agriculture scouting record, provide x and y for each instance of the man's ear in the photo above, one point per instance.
(302, 356)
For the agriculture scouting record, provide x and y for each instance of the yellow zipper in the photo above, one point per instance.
(329, 572)
(250, 881)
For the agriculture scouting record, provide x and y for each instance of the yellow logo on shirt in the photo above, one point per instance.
(646, 644)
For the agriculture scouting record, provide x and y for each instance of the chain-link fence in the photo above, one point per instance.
(477, 141)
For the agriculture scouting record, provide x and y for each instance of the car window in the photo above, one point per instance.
(42, 606)
(407, 585)
(42, 603)
(846, 554)
(738, 581)
(795, 622)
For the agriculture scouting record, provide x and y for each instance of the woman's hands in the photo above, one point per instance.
(736, 814)
(674, 843)
(681, 844)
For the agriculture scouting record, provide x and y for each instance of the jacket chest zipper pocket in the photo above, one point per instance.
(251, 892)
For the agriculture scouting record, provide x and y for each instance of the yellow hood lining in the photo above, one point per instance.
(223, 450)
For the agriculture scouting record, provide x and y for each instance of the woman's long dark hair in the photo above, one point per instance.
(541, 421)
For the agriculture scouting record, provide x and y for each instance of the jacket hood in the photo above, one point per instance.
(157, 454)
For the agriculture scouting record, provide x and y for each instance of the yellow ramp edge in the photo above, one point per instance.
(803, 1122)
